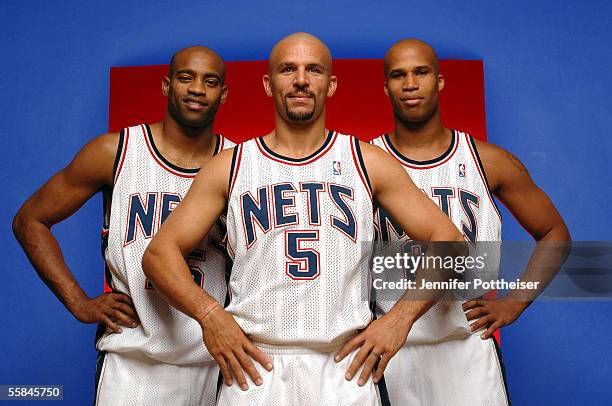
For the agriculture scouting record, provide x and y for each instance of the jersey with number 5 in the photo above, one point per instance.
(300, 233)
(147, 188)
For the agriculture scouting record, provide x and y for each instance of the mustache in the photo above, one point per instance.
(303, 93)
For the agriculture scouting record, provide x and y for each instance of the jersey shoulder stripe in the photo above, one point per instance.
(474, 152)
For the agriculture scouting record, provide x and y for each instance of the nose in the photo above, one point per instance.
(410, 83)
(197, 87)
(301, 78)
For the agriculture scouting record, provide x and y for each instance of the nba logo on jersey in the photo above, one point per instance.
(337, 169)
(462, 170)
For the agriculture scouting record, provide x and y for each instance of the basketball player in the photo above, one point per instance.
(442, 362)
(300, 227)
(143, 173)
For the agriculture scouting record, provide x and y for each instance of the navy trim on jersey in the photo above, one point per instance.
(503, 368)
(446, 153)
(361, 163)
(218, 144)
(99, 364)
(119, 153)
(314, 154)
(163, 159)
(479, 162)
(232, 168)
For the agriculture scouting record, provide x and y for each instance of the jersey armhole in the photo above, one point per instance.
(121, 152)
(234, 168)
(360, 165)
(472, 146)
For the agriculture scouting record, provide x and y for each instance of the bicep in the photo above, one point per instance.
(65, 192)
(532, 208)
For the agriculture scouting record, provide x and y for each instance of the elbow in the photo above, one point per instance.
(148, 259)
(19, 225)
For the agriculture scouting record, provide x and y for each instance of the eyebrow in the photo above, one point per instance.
(192, 72)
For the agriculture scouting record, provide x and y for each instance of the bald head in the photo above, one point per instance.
(414, 49)
(181, 56)
(300, 42)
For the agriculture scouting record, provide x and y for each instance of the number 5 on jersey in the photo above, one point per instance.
(303, 263)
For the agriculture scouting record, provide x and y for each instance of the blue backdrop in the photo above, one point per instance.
(547, 93)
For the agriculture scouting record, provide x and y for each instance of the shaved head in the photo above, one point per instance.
(317, 47)
(415, 47)
(186, 53)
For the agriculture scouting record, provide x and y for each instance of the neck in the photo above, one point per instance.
(189, 140)
(297, 140)
(420, 135)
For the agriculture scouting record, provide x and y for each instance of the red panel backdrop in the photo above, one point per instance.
(359, 106)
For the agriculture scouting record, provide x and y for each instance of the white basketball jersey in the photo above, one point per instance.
(300, 233)
(147, 188)
(456, 182)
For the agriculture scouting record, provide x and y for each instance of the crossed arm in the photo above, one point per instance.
(90, 171)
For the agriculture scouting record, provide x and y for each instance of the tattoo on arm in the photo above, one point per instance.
(516, 162)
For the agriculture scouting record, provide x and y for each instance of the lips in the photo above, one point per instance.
(197, 105)
(411, 101)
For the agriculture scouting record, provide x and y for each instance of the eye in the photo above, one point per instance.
(287, 69)
(423, 71)
(212, 82)
(184, 78)
(315, 69)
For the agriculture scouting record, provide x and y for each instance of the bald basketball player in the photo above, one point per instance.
(143, 172)
(300, 224)
(445, 359)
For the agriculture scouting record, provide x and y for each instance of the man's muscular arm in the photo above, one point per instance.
(164, 264)
(423, 221)
(509, 180)
(90, 171)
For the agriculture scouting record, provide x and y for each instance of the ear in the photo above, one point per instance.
(224, 92)
(386, 87)
(333, 84)
(267, 85)
(440, 82)
(165, 85)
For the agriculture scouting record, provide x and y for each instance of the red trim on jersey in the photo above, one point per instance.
(358, 166)
(482, 177)
(403, 162)
(159, 161)
(311, 160)
(123, 154)
(235, 174)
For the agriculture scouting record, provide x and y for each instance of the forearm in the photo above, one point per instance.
(548, 256)
(45, 255)
(165, 266)
(428, 282)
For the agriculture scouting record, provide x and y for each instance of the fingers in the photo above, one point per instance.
(126, 309)
(357, 361)
(109, 323)
(382, 365)
(472, 304)
(489, 333)
(237, 371)
(348, 347)
(121, 297)
(257, 355)
(225, 371)
(476, 313)
(480, 323)
(121, 318)
(368, 366)
(247, 365)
